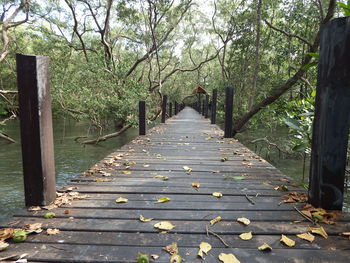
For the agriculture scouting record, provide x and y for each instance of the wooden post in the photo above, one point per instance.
(206, 106)
(142, 118)
(228, 113)
(36, 129)
(170, 110)
(165, 98)
(213, 106)
(176, 108)
(332, 117)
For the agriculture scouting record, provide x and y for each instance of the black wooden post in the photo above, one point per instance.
(176, 108)
(213, 106)
(332, 117)
(36, 129)
(228, 113)
(165, 98)
(142, 118)
(203, 107)
(206, 106)
(170, 110)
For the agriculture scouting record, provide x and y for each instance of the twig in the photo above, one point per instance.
(9, 257)
(250, 199)
(313, 222)
(207, 215)
(60, 248)
(217, 236)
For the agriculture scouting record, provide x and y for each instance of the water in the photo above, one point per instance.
(71, 158)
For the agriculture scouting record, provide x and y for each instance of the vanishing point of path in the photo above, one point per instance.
(186, 160)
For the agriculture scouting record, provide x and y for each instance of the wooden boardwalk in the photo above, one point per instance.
(97, 229)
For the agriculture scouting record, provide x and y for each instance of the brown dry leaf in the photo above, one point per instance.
(216, 172)
(50, 206)
(102, 180)
(228, 258)
(5, 233)
(3, 245)
(246, 236)
(320, 231)
(215, 220)
(164, 225)
(204, 247)
(34, 208)
(172, 248)
(217, 194)
(187, 169)
(126, 172)
(121, 200)
(34, 226)
(52, 231)
(287, 241)
(163, 199)
(307, 213)
(265, 247)
(144, 219)
(282, 188)
(307, 236)
(164, 178)
(196, 185)
(243, 220)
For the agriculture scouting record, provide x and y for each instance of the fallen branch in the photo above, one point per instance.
(306, 217)
(108, 136)
(217, 236)
(8, 91)
(250, 199)
(6, 137)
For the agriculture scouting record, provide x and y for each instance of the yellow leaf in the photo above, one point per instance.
(243, 220)
(144, 219)
(164, 225)
(102, 180)
(307, 236)
(164, 178)
(204, 247)
(121, 200)
(216, 172)
(265, 247)
(217, 194)
(51, 231)
(246, 236)
(3, 245)
(146, 165)
(126, 172)
(196, 185)
(228, 258)
(163, 199)
(215, 220)
(320, 231)
(287, 241)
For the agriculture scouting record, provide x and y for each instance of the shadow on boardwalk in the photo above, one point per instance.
(97, 229)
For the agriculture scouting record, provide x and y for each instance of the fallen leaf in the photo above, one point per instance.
(246, 236)
(163, 199)
(5, 233)
(121, 200)
(187, 169)
(3, 245)
(224, 159)
(158, 156)
(243, 220)
(52, 231)
(164, 178)
(176, 258)
(164, 225)
(142, 258)
(172, 249)
(215, 220)
(196, 185)
(217, 194)
(287, 241)
(282, 188)
(34, 226)
(126, 172)
(265, 247)
(34, 208)
(144, 219)
(228, 258)
(204, 247)
(154, 256)
(145, 165)
(238, 177)
(320, 231)
(102, 180)
(216, 172)
(49, 215)
(307, 236)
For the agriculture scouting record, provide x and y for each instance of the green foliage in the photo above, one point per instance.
(345, 8)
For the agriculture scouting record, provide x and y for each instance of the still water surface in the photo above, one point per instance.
(72, 158)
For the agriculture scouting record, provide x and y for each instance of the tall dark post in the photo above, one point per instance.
(165, 98)
(142, 118)
(332, 117)
(199, 103)
(206, 107)
(36, 129)
(176, 108)
(213, 106)
(203, 107)
(170, 110)
(228, 113)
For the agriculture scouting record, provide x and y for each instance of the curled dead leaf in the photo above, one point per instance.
(163, 199)
(246, 236)
(121, 200)
(307, 236)
(126, 172)
(217, 194)
(319, 231)
(215, 220)
(144, 219)
(34, 226)
(265, 247)
(204, 247)
(287, 241)
(243, 220)
(6, 233)
(196, 185)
